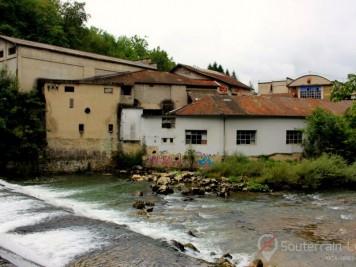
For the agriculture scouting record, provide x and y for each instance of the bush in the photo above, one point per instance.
(127, 160)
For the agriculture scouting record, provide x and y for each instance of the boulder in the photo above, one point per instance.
(165, 190)
(222, 262)
(143, 213)
(178, 245)
(138, 177)
(149, 209)
(138, 193)
(149, 203)
(256, 263)
(164, 180)
(190, 232)
(198, 191)
(186, 191)
(191, 246)
(139, 205)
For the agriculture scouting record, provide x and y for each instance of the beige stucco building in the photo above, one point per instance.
(307, 86)
(31, 60)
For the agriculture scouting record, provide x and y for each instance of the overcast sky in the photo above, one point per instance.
(262, 40)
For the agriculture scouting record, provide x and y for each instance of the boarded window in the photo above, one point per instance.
(108, 90)
(69, 89)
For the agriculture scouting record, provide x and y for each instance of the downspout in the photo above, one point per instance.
(224, 138)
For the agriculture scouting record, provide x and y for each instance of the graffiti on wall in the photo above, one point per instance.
(204, 159)
(164, 159)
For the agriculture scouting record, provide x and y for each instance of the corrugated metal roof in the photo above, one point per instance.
(216, 76)
(152, 77)
(73, 52)
(213, 105)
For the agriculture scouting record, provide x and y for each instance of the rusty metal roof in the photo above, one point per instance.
(73, 52)
(214, 105)
(219, 77)
(152, 77)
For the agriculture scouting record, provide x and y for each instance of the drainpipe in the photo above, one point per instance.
(224, 138)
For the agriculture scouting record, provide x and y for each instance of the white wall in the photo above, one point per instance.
(270, 135)
(130, 124)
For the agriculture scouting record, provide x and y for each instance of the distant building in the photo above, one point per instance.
(30, 61)
(227, 84)
(307, 86)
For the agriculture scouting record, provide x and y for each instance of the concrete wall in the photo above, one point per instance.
(221, 140)
(96, 142)
(150, 96)
(278, 87)
(31, 63)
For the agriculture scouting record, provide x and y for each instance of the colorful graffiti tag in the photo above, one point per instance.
(164, 160)
(205, 160)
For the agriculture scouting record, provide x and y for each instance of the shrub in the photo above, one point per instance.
(127, 160)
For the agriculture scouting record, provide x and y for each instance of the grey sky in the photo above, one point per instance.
(261, 40)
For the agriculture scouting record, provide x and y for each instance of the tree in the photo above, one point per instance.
(21, 131)
(342, 91)
(161, 58)
(327, 132)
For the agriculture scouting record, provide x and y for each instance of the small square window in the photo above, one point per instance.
(111, 128)
(1, 53)
(12, 50)
(69, 89)
(71, 102)
(81, 128)
(108, 90)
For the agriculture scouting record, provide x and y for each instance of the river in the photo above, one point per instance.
(58, 220)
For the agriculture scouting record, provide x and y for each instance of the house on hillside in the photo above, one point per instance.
(307, 86)
(31, 60)
(219, 125)
(87, 119)
(227, 84)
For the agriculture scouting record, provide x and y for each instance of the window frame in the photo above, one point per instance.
(311, 92)
(246, 137)
(294, 137)
(196, 137)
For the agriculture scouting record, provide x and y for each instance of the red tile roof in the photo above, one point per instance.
(152, 77)
(213, 105)
(219, 77)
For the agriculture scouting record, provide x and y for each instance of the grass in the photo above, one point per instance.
(325, 172)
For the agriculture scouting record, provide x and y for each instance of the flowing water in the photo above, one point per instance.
(54, 221)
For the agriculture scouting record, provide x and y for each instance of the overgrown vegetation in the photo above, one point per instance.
(21, 129)
(325, 172)
(62, 23)
(123, 160)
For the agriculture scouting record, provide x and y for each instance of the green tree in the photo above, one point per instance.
(327, 132)
(21, 131)
(341, 91)
(161, 58)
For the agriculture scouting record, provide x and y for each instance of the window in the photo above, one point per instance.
(168, 122)
(245, 137)
(1, 53)
(310, 92)
(293, 137)
(69, 89)
(196, 137)
(81, 128)
(167, 140)
(111, 128)
(71, 102)
(12, 50)
(126, 90)
(108, 90)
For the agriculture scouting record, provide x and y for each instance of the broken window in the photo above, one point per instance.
(1, 53)
(168, 122)
(69, 89)
(246, 137)
(12, 50)
(126, 90)
(196, 137)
